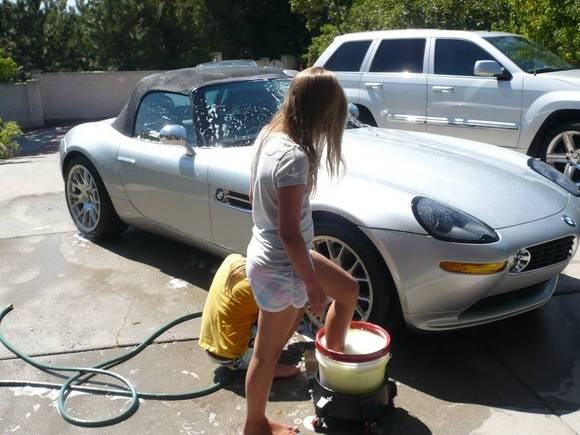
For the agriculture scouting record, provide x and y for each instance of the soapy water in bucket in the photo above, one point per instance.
(360, 342)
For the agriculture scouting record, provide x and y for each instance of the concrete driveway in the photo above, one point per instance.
(79, 302)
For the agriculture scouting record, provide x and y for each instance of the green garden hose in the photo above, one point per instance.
(83, 374)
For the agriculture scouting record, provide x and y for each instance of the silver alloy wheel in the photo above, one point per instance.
(83, 198)
(563, 152)
(346, 258)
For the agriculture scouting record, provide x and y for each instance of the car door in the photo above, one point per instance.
(162, 182)
(461, 104)
(394, 86)
(346, 62)
(230, 207)
(229, 117)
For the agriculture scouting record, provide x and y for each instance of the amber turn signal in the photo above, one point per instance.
(473, 268)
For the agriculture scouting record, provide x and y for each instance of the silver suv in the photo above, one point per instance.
(491, 87)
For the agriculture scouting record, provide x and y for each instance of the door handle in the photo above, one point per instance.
(126, 160)
(443, 89)
(373, 85)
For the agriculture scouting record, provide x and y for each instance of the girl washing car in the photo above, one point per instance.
(283, 270)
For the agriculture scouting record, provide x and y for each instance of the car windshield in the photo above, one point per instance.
(528, 55)
(232, 114)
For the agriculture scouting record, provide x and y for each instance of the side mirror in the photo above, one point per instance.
(175, 135)
(353, 110)
(489, 68)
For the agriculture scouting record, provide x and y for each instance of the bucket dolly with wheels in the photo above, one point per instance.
(352, 387)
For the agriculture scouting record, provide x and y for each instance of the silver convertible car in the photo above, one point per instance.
(444, 232)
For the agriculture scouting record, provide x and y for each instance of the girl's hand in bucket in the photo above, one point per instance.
(316, 299)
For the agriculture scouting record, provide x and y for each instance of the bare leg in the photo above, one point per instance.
(295, 324)
(273, 329)
(284, 370)
(341, 287)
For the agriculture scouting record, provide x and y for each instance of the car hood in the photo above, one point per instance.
(488, 182)
(571, 76)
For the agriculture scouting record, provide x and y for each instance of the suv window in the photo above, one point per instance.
(348, 57)
(399, 55)
(159, 109)
(457, 58)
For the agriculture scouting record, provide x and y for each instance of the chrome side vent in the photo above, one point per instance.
(233, 199)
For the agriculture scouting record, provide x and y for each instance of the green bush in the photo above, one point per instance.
(8, 132)
(8, 68)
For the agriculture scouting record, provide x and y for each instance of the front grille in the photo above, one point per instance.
(550, 253)
(511, 302)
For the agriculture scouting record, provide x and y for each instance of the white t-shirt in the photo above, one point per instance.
(282, 163)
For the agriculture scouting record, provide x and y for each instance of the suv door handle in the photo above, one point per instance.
(373, 85)
(443, 89)
(126, 160)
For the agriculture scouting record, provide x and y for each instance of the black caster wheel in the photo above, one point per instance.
(318, 424)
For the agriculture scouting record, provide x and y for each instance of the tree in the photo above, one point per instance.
(48, 35)
(21, 32)
(325, 19)
(41, 35)
(149, 34)
(63, 47)
(8, 132)
(8, 68)
(553, 23)
(256, 28)
(105, 34)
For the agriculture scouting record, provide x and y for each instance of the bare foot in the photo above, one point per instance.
(282, 429)
(266, 427)
(285, 371)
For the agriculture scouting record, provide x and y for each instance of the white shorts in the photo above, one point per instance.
(275, 290)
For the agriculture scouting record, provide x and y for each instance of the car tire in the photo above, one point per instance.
(365, 116)
(88, 202)
(554, 144)
(378, 299)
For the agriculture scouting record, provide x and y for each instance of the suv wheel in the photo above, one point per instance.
(561, 149)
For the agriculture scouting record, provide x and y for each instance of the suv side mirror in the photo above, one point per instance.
(175, 135)
(490, 68)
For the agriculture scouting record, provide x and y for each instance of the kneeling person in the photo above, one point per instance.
(230, 314)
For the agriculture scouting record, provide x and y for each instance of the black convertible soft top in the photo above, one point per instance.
(185, 81)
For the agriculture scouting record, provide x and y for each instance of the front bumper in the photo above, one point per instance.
(433, 299)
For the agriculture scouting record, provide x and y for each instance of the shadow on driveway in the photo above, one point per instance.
(40, 141)
(527, 363)
(170, 257)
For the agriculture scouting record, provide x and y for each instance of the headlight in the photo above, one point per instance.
(554, 175)
(449, 224)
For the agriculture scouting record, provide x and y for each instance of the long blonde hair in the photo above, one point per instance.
(314, 116)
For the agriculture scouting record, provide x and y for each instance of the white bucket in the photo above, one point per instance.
(361, 368)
